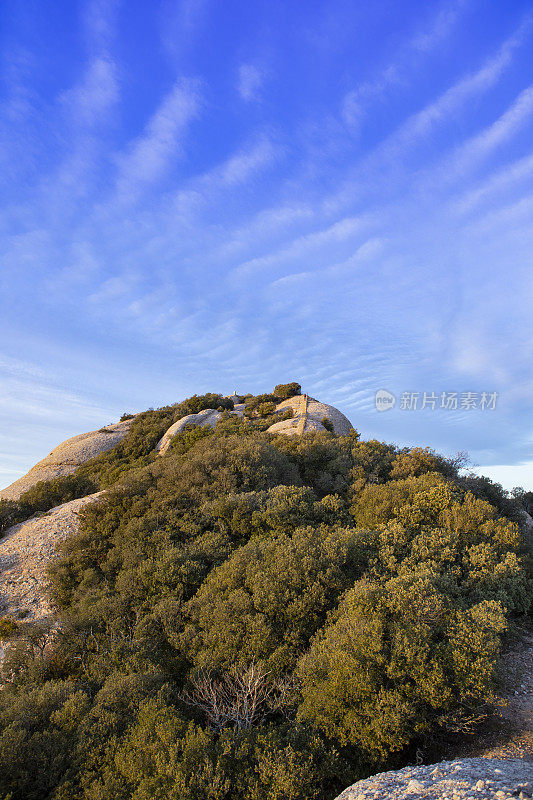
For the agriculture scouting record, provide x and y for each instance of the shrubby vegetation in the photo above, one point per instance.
(258, 617)
(135, 450)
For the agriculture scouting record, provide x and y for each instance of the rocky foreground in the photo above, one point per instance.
(472, 778)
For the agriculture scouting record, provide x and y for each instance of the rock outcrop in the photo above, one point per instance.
(70, 454)
(67, 457)
(207, 418)
(308, 416)
(479, 778)
(26, 550)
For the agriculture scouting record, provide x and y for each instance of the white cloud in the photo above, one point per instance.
(235, 170)
(179, 22)
(100, 20)
(160, 146)
(340, 231)
(88, 103)
(478, 147)
(250, 81)
(442, 110)
(440, 27)
(355, 102)
(498, 182)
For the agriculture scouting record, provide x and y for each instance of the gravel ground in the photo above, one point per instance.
(472, 778)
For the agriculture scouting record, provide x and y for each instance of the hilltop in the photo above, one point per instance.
(241, 599)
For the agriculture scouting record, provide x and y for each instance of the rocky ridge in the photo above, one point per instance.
(28, 547)
(68, 456)
(309, 415)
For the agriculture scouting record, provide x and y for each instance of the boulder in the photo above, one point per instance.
(308, 416)
(208, 417)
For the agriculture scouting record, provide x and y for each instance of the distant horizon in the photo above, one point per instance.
(201, 195)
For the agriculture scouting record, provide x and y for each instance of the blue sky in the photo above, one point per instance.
(201, 196)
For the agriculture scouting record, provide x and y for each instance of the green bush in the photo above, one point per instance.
(266, 409)
(286, 390)
(8, 628)
(10, 514)
(394, 663)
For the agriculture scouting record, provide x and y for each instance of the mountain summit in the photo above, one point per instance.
(306, 414)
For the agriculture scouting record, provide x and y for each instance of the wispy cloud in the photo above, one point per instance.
(233, 171)
(250, 80)
(440, 27)
(356, 102)
(89, 103)
(474, 150)
(453, 99)
(341, 231)
(100, 18)
(159, 147)
(498, 183)
(179, 22)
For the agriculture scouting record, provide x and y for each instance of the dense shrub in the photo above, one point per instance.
(43, 496)
(8, 628)
(369, 588)
(285, 390)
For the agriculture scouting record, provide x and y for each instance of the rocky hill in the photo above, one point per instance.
(27, 548)
(308, 414)
(242, 599)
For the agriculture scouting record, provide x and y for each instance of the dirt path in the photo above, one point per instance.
(509, 732)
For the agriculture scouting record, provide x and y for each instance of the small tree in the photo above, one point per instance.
(241, 698)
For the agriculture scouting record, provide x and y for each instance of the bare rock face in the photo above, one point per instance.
(308, 416)
(26, 550)
(209, 417)
(467, 778)
(67, 457)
